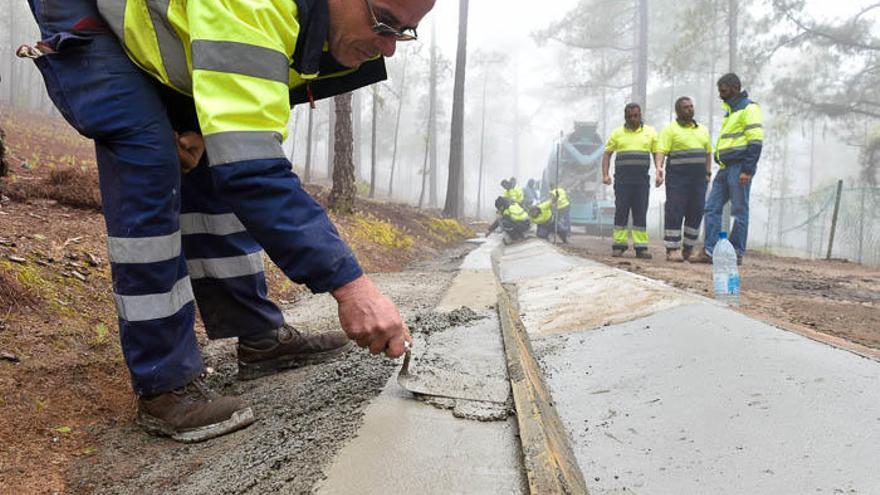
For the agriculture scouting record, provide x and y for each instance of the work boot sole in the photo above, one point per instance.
(155, 426)
(251, 371)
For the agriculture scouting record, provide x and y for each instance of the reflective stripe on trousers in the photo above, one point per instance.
(685, 200)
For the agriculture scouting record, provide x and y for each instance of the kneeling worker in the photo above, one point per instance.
(514, 221)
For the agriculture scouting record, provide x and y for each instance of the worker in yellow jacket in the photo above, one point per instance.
(142, 78)
(633, 143)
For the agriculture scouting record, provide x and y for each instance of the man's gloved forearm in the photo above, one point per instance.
(291, 226)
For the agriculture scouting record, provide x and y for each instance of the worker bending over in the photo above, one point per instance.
(633, 144)
(685, 146)
(513, 220)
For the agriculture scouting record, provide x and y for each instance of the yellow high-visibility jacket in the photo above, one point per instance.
(243, 62)
(742, 134)
(546, 213)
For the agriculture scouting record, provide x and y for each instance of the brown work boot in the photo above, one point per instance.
(284, 348)
(674, 255)
(192, 413)
(686, 253)
(701, 257)
(643, 254)
(617, 252)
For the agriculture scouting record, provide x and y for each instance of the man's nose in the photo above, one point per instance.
(386, 45)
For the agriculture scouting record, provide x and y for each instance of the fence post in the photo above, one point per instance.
(834, 218)
(862, 222)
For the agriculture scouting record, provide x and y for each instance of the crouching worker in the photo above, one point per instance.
(549, 221)
(513, 220)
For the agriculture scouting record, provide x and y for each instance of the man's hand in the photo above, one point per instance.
(371, 319)
(744, 178)
(190, 148)
(658, 181)
(606, 180)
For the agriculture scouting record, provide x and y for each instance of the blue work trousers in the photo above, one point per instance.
(685, 200)
(726, 187)
(171, 239)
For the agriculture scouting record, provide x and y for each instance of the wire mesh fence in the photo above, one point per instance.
(802, 225)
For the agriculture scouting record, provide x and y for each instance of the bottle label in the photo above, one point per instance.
(721, 283)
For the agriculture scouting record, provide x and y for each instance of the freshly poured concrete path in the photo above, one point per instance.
(406, 446)
(667, 393)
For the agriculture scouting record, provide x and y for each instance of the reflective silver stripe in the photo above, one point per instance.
(752, 126)
(690, 242)
(113, 12)
(154, 306)
(730, 151)
(237, 146)
(170, 46)
(672, 233)
(732, 135)
(235, 266)
(688, 153)
(143, 249)
(687, 161)
(203, 223)
(671, 244)
(639, 162)
(691, 231)
(757, 141)
(240, 58)
(620, 227)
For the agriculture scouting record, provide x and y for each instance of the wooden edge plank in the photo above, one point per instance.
(549, 460)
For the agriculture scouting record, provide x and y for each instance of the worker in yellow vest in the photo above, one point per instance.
(512, 191)
(633, 143)
(140, 77)
(737, 152)
(685, 147)
(512, 218)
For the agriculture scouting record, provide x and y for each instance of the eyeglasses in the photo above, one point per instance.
(382, 29)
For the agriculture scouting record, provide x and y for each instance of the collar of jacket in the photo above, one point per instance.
(737, 102)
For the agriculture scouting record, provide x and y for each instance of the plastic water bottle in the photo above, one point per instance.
(725, 274)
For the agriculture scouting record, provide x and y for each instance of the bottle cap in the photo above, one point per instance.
(722, 235)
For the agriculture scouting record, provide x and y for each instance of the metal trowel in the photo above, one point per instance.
(437, 382)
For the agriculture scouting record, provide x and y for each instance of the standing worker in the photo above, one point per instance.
(176, 240)
(633, 142)
(737, 152)
(686, 147)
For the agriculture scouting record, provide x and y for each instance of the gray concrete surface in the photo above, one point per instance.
(407, 445)
(695, 397)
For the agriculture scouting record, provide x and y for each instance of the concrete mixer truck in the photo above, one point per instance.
(579, 171)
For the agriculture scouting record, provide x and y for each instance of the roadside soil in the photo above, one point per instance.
(63, 382)
(835, 298)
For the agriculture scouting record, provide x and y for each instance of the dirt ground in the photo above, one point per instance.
(834, 298)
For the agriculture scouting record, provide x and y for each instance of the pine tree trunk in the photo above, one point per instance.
(454, 207)
(401, 96)
(308, 171)
(373, 142)
(432, 115)
(342, 196)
